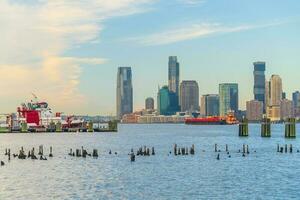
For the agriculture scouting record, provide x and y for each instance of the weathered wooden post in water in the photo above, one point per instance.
(90, 127)
(58, 127)
(243, 127)
(290, 128)
(113, 126)
(266, 127)
(24, 127)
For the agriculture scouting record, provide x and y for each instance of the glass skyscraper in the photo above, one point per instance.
(167, 103)
(174, 75)
(229, 98)
(124, 92)
(173, 81)
(259, 81)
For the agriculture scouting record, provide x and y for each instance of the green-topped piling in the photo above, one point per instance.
(266, 127)
(90, 127)
(24, 127)
(243, 128)
(113, 126)
(290, 128)
(58, 127)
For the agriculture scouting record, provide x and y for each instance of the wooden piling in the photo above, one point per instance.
(243, 128)
(266, 127)
(290, 128)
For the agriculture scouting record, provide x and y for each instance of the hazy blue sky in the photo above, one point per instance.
(67, 52)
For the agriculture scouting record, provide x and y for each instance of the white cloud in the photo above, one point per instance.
(192, 2)
(35, 37)
(192, 31)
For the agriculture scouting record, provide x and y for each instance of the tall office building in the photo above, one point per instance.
(149, 103)
(286, 109)
(174, 75)
(229, 98)
(254, 110)
(296, 103)
(259, 81)
(124, 92)
(166, 101)
(274, 98)
(210, 105)
(189, 96)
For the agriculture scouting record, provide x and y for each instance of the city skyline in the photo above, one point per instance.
(71, 56)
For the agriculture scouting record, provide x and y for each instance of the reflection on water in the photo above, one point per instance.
(265, 174)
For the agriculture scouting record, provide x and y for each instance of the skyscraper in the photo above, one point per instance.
(254, 110)
(149, 103)
(259, 81)
(165, 101)
(229, 98)
(210, 105)
(274, 98)
(189, 96)
(124, 91)
(286, 109)
(296, 103)
(174, 75)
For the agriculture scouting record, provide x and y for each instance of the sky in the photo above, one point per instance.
(67, 52)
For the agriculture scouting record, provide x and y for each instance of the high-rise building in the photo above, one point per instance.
(296, 103)
(174, 80)
(210, 105)
(274, 98)
(124, 91)
(267, 95)
(254, 110)
(259, 81)
(149, 103)
(189, 96)
(286, 109)
(166, 101)
(275, 90)
(174, 75)
(229, 98)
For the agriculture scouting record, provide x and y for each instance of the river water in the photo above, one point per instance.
(265, 174)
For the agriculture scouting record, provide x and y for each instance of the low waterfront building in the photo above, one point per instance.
(254, 110)
(131, 118)
(159, 119)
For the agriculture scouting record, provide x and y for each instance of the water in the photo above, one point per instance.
(265, 174)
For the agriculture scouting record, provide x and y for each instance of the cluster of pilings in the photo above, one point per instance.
(83, 153)
(142, 151)
(290, 128)
(184, 150)
(217, 150)
(244, 151)
(31, 154)
(145, 151)
(285, 148)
